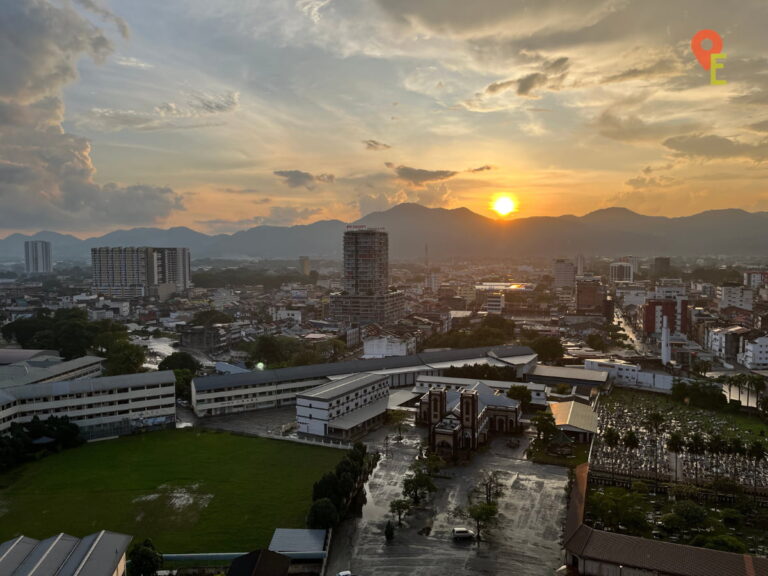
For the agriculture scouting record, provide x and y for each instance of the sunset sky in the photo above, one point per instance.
(225, 114)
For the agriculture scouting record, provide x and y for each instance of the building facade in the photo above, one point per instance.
(621, 272)
(137, 272)
(676, 311)
(564, 273)
(736, 296)
(37, 257)
(366, 297)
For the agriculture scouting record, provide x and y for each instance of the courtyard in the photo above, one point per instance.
(526, 539)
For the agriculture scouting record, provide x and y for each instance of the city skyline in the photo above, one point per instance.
(291, 112)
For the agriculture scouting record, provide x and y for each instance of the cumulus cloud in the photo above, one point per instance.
(419, 176)
(375, 145)
(301, 179)
(46, 174)
(711, 146)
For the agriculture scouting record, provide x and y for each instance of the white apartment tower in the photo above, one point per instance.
(130, 272)
(37, 257)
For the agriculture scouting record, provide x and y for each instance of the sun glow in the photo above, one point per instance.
(504, 205)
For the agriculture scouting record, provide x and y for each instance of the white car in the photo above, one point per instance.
(461, 533)
(344, 573)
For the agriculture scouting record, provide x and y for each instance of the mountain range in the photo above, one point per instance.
(451, 233)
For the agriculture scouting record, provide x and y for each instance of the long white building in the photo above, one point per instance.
(754, 353)
(343, 409)
(225, 394)
(108, 406)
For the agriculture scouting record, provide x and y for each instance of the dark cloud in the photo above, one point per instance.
(632, 128)
(214, 104)
(759, 126)
(642, 182)
(551, 76)
(106, 15)
(665, 67)
(481, 168)
(712, 146)
(46, 179)
(300, 179)
(375, 145)
(418, 176)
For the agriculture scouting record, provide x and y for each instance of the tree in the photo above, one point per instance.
(389, 531)
(522, 394)
(144, 560)
(675, 444)
(328, 487)
(322, 515)
(211, 317)
(492, 487)
(124, 358)
(693, 515)
(183, 383)
(631, 442)
(179, 361)
(483, 514)
(417, 485)
(400, 507)
(549, 348)
(696, 446)
(398, 418)
(546, 428)
(596, 342)
(611, 438)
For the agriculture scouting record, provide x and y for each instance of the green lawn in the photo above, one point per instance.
(190, 491)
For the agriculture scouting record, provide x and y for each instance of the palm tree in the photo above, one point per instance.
(696, 447)
(675, 444)
(756, 453)
(758, 385)
(655, 423)
(631, 442)
(716, 445)
(611, 439)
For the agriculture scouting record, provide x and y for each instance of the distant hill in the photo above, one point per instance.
(458, 232)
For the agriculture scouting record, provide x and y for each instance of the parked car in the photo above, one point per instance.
(344, 573)
(461, 533)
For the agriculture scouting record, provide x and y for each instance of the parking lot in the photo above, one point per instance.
(525, 541)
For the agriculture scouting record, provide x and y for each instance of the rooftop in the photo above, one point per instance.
(574, 415)
(596, 376)
(341, 387)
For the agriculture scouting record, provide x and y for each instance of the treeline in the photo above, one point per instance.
(702, 394)
(70, 333)
(17, 444)
(335, 493)
(492, 331)
(248, 277)
(284, 351)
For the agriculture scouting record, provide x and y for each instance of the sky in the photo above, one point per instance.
(227, 114)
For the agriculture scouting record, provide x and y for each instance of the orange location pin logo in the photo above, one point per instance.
(703, 55)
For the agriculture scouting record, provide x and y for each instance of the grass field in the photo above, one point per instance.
(190, 491)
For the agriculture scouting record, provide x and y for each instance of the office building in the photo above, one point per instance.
(37, 257)
(137, 272)
(634, 261)
(304, 266)
(581, 265)
(366, 297)
(622, 272)
(494, 303)
(564, 273)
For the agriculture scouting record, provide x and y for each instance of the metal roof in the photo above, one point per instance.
(544, 371)
(505, 354)
(64, 555)
(14, 355)
(90, 385)
(37, 374)
(341, 387)
(360, 415)
(574, 415)
(297, 540)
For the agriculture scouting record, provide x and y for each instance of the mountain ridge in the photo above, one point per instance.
(455, 232)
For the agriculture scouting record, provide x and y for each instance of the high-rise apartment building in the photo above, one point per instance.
(621, 272)
(136, 272)
(564, 273)
(304, 266)
(581, 265)
(37, 257)
(366, 297)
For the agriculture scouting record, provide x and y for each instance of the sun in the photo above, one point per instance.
(504, 205)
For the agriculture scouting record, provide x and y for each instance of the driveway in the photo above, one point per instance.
(525, 541)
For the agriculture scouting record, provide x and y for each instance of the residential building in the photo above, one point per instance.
(37, 257)
(725, 342)
(581, 265)
(344, 409)
(755, 278)
(590, 295)
(381, 343)
(669, 288)
(735, 295)
(99, 554)
(634, 261)
(621, 272)
(564, 273)
(754, 353)
(304, 265)
(225, 394)
(494, 303)
(366, 296)
(101, 407)
(215, 339)
(661, 266)
(654, 310)
(137, 272)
